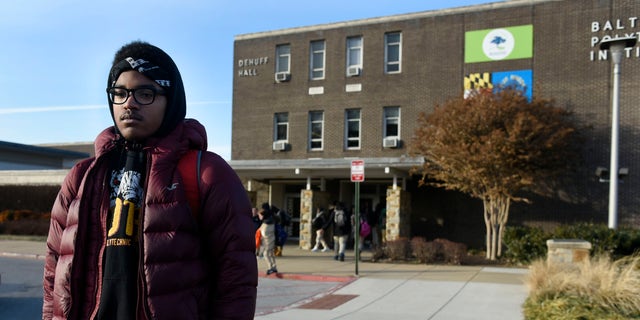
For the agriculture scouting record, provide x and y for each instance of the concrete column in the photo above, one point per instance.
(398, 214)
(306, 214)
(310, 200)
(253, 197)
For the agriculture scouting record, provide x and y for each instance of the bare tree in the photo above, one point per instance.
(496, 146)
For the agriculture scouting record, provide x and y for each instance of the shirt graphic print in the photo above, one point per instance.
(126, 208)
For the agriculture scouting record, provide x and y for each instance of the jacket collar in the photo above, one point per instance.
(189, 134)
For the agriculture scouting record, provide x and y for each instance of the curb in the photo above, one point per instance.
(308, 277)
(22, 255)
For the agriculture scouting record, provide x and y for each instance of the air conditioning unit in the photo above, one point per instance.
(390, 142)
(279, 145)
(353, 71)
(282, 76)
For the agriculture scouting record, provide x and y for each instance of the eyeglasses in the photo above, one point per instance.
(142, 96)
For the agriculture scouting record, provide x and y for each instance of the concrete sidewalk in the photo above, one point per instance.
(395, 290)
(314, 286)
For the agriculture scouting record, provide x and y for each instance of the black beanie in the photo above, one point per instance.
(158, 66)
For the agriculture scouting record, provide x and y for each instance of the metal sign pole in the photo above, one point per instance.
(357, 222)
(357, 176)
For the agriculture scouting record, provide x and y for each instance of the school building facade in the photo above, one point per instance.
(307, 101)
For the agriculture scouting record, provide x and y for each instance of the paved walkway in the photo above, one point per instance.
(393, 290)
(314, 286)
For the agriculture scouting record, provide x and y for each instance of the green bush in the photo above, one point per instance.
(525, 244)
(628, 242)
(603, 240)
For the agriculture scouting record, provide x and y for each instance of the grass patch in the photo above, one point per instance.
(22, 237)
(594, 289)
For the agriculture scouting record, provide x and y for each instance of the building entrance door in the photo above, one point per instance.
(292, 206)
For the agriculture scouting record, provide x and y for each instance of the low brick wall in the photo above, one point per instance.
(33, 198)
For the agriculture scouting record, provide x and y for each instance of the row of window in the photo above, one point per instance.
(352, 129)
(354, 57)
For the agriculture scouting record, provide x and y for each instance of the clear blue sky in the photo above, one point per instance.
(55, 55)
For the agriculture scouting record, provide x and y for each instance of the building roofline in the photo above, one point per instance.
(335, 163)
(376, 168)
(392, 18)
(42, 150)
(32, 177)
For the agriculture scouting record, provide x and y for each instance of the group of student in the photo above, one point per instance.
(271, 235)
(341, 222)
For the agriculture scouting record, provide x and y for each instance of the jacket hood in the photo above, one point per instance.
(158, 66)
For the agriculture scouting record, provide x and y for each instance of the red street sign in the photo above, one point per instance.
(357, 170)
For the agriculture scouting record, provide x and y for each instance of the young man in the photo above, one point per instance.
(124, 243)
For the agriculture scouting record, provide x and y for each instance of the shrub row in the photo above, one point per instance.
(15, 215)
(526, 244)
(423, 251)
(24, 222)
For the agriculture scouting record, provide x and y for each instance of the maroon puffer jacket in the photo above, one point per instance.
(193, 268)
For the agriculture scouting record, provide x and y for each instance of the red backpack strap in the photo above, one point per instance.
(189, 167)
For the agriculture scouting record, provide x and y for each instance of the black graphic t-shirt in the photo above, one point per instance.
(121, 256)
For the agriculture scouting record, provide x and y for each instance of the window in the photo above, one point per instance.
(354, 55)
(283, 58)
(352, 128)
(316, 124)
(281, 126)
(392, 52)
(391, 122)
(316, 64)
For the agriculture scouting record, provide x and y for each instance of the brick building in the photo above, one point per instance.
(308, 100)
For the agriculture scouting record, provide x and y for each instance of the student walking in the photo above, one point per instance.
(268, 239)
(320, 224)
(340, 220)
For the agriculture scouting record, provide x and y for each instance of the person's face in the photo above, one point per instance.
(134, 121)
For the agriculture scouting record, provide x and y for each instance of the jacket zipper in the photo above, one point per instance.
(142, 288)
(103, 224)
